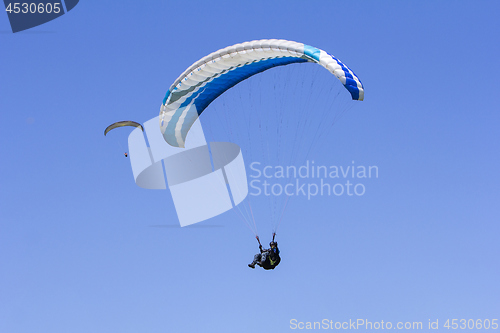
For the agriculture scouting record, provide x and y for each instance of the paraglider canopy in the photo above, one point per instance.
(122, 124)
(212, 75)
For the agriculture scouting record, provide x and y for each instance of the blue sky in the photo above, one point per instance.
(83, 249)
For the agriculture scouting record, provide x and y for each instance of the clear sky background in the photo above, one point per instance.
(83, 249)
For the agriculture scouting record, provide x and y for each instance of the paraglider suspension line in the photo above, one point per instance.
(281, 217)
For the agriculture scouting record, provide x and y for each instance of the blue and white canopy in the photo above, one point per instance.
(212, 75)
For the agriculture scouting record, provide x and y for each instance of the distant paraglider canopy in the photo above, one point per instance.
(122, 124)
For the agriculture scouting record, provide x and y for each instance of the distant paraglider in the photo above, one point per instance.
(123, 124)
